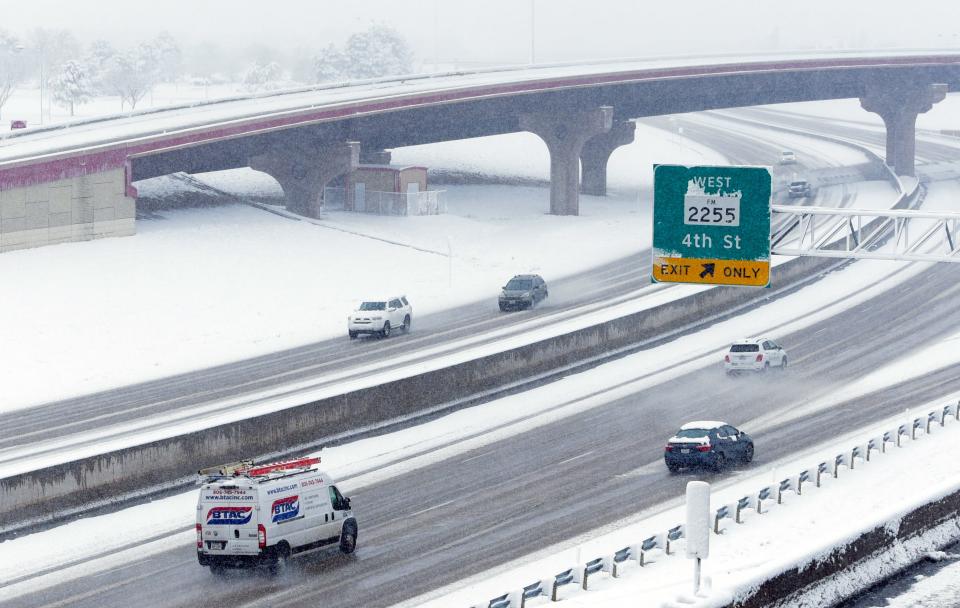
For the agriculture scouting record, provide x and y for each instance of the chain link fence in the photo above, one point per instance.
(427, 202)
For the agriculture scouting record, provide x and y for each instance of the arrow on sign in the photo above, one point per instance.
(707, 270)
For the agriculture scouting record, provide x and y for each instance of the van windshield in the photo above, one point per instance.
(745, 348)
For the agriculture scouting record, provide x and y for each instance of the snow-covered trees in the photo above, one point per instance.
(169, 57)
(72, 85)
(330, 64)
(263, 76)
(131, 74)
(13, 67)
(379, 51)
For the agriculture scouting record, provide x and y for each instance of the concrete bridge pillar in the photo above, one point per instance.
(898, 104)
(303, 172)
(565, 134)
(596, 152)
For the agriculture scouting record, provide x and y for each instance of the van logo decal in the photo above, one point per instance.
(285, 509)
(229, 516)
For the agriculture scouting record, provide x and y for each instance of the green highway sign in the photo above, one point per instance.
(711, 225)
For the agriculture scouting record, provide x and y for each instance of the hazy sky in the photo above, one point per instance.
(500, 30)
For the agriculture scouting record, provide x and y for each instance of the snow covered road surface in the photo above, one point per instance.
(374, 462)
(874, 494)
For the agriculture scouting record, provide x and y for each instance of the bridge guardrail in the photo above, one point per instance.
(754, 501)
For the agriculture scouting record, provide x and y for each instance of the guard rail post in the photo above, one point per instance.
(721, 513)
(871, 445)
(763, 495)
(837, 461)
(917, 422)
(675, 533)
(620, 556)
(648, 544)
(854, 453)
(821, 468)
(931, 416)
(886, 437)
(502, 601)
(786, 484)
(591, 567)
(802, 477)
(564, 578)
(534, 590)
(742, 504)
(901, 430)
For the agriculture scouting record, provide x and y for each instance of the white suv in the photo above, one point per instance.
(380, 317)
(754, 355)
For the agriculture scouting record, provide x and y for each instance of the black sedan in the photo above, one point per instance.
(707, 443)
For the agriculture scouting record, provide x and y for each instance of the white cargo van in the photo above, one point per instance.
(260, 515)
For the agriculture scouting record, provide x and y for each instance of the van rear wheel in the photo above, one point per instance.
(281, 557)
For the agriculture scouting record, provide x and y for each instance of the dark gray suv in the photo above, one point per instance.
(523, 291)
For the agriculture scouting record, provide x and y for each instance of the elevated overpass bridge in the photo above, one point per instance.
(75, 181)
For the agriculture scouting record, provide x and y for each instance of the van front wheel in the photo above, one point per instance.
(348, 541)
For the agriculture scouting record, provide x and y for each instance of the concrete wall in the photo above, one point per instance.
(413, 175)
(375, 179)
(789, 587)
(74, 209)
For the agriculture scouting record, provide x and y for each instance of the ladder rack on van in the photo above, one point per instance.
(245, 468)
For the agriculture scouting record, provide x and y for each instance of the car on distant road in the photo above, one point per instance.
(18, 124)
(787, 157)
(707, 444)
(754, 355)
(799, 189)
(523, 291)
(380, 317)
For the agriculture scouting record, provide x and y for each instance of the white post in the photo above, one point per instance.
(698, 526)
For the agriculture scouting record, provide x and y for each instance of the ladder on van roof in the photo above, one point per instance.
(245, 468)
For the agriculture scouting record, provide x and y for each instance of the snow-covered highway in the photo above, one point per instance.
(596, 462)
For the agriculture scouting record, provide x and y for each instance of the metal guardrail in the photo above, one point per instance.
(612, 563)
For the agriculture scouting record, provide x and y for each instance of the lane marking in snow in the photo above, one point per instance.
(422, 511)
(477, 456)
(575, 458)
